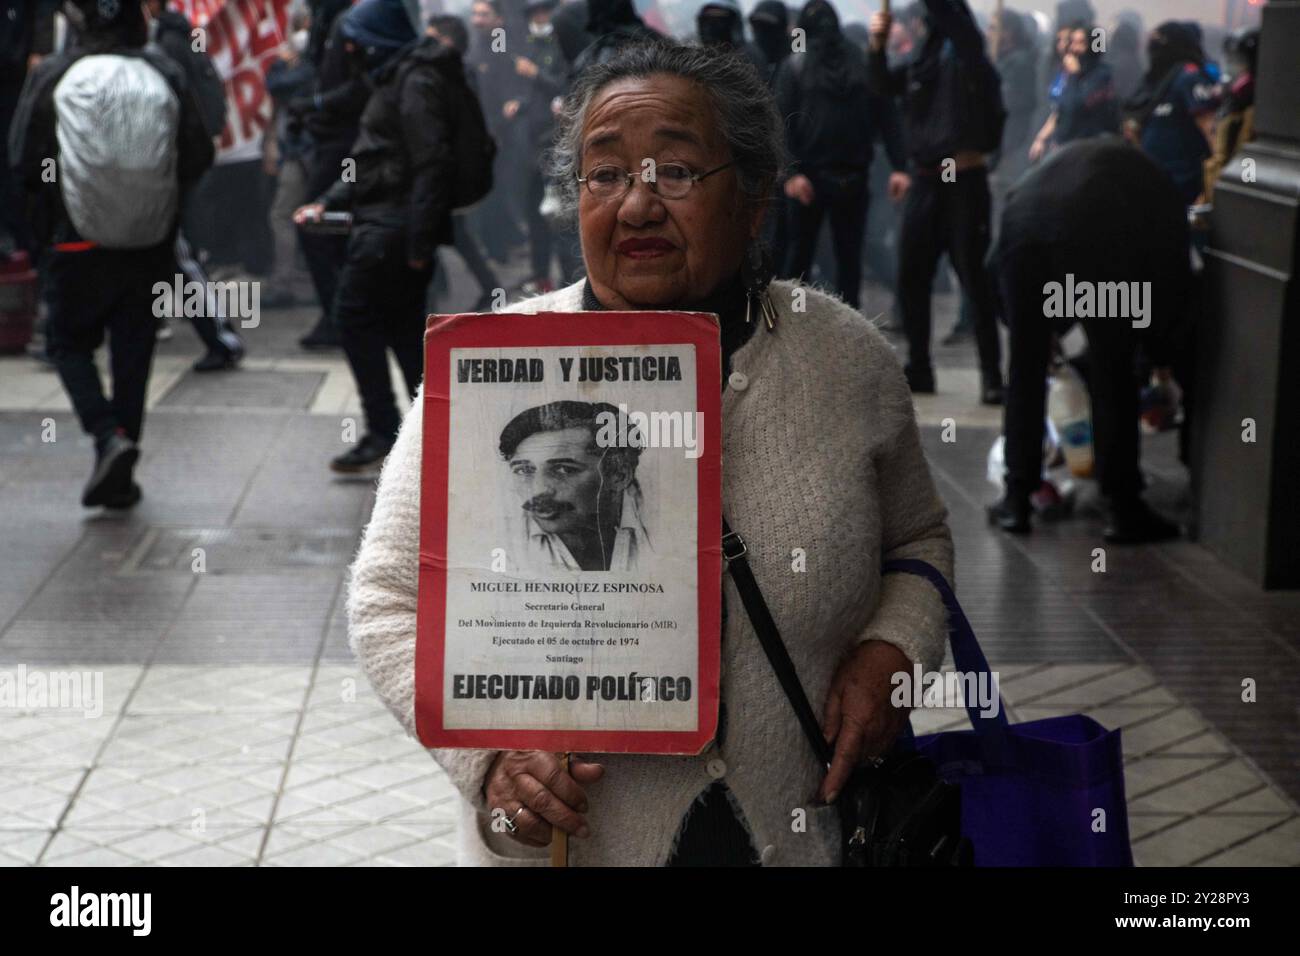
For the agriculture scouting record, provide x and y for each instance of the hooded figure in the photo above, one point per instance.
(612, 23)
(378, 28)
(770, 23)
(834, 66)
(1171, 44)
(570, 25)
(1175, 100)
(721, 24)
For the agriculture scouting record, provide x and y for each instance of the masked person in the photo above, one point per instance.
(611, 24)
(401, 211)
(331, 116)
(719, 23)
(770, 24)
(953, 116)
(1172, 114)
(1087, 105)
(832, 123)
(127, 138)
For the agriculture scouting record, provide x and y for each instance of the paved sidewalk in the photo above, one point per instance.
(237, 730)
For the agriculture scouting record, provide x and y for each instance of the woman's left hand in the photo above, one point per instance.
(860, 720)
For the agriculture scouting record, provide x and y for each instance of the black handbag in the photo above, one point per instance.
(895, 811)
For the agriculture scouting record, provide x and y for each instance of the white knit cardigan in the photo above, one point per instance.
(821, 453)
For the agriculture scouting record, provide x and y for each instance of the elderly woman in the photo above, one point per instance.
(820, 452)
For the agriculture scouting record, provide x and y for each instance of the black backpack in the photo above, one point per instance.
(205, 83)
(474, 148)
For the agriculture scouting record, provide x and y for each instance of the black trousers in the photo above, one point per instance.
(952, 217)
(325, 252)
(843, 197)
(380, 306)
(1112, 356)
(99, 292)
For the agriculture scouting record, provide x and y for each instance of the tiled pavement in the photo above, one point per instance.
(235, 728)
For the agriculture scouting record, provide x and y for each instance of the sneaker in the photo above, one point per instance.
(366, 456)
(992, 394)
(111, 479)
(322, 336)
(1011, 515)
(920, 381)
(124, 500)
(218, 361)
(1138, 524)
(164, 330)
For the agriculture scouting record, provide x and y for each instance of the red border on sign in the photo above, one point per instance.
(515, 330)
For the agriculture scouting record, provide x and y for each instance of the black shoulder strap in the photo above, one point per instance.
(733, 552)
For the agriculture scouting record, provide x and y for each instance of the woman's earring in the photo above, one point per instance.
(756, 273)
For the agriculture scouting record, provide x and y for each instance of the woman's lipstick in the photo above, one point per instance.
(648, 248)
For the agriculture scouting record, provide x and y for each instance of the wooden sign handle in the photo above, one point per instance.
(559, 838)
(884, 6)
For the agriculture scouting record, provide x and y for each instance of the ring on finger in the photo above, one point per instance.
(510, 820)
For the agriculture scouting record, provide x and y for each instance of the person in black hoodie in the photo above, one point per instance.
(611, 23)
(331, 117)
(104, 288)
(719, 24)
(401, 207)
(832, 123)
(770, 23)
(948, 207)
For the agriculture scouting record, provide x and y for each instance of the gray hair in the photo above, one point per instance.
(744, 108)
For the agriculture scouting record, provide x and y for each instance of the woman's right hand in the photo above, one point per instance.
(533, 790)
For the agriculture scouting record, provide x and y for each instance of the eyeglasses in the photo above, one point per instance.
(667, 180)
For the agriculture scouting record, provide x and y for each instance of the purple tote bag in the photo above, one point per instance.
(1044, 793)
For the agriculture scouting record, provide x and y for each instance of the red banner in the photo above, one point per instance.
(242, 37)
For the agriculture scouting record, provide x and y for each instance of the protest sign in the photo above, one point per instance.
(241, 37)
(570, 542)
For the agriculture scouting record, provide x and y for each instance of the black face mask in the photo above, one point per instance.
(771, 38)
(716, 29)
